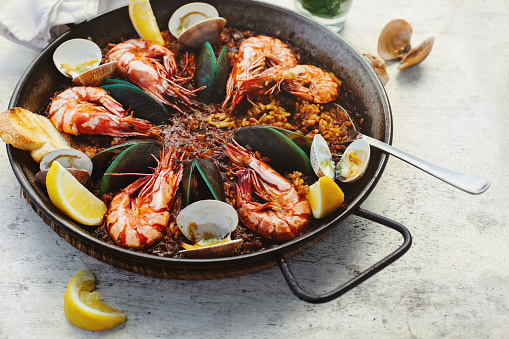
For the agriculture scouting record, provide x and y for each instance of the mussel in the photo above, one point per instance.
(130, 161)
(288, 151)
(195, 23)
(80, 60)
(74, 161)
(211, 74)
(349, 168)
(207, 224)
(140, 103)
(201, 180)
(394, 43)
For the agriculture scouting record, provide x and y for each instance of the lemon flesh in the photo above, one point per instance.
(72, 198)
(83, 306)
(144, 21)
(324, 197)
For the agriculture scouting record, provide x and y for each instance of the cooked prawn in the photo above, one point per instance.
(304, 81)
(140, 221)
(255, 55)
(153, 68)
(285, 215)
(90, 110)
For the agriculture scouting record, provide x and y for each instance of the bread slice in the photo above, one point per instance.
(31, 132)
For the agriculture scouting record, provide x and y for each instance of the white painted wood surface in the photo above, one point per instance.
(451, 110)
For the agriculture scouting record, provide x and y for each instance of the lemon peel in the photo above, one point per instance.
(144, 21)
(83, 306)
(324, 197)
(72, 198)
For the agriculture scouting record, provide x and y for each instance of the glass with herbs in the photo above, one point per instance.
(331, 13)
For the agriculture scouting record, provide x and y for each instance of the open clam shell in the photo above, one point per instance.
(195, 23)
(394, 41)
(417, 55)
(354, 162)
(321, 157)
(74, 161)
(208, 224)
(77, 56)
(97, 75)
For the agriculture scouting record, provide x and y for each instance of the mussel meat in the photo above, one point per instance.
(207, 224)
(285, 154)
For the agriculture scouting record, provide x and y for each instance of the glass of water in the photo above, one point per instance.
(331, 13)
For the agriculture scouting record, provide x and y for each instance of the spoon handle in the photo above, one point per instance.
(465, 182)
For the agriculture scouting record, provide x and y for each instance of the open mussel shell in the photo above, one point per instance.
(285, 155)
(139, 102)
(139, 158)
(195, 23)
(354, 162)
(80, 54)
(394, 41)
(417, 55)
(201, 180)
(97, 75)
(209, 220)
(212, 75)
(102, 159)
(321, 158)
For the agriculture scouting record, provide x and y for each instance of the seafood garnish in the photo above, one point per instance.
(285, 215)
(153, 68)
(140, 221)
(90, 110)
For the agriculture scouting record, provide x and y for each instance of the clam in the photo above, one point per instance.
(417, 55)
(201, 180)
(207, 224)
(195, 23)
(76, 162)
(350, 167)
(354, 161)
(285, 154)
(80, 60)
(212, 75)
(394, 43)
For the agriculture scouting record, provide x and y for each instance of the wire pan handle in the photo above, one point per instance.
(377, 267)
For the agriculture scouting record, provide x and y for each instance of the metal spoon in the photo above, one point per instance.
(465, 182)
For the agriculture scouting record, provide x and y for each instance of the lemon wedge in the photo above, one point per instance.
(83, 306)
(72, 198)
(324, 196)
(144, 21)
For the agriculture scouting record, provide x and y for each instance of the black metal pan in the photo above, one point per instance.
(42, 79)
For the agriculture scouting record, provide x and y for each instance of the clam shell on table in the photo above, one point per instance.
(195, 23)
(417, 55)
(394, 41)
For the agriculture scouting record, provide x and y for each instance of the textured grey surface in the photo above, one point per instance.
(452, 283)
